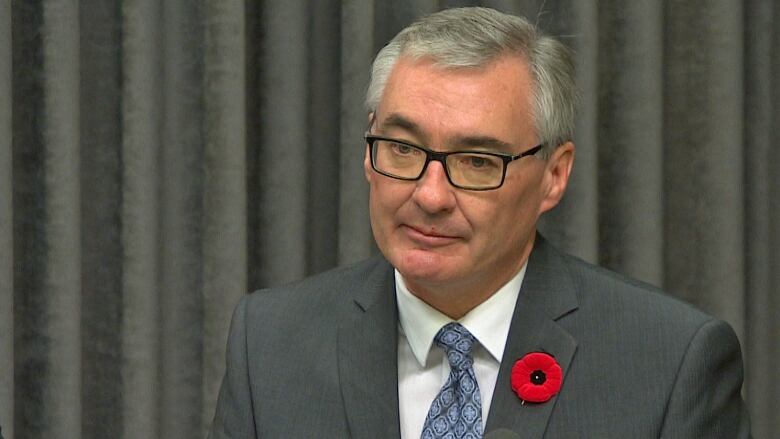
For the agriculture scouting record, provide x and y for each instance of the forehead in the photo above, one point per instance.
(493, 100)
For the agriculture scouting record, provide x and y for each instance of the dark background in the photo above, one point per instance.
(158, 159)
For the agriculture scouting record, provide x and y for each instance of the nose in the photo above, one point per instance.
(434, 193)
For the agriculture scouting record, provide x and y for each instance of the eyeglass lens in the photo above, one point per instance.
(469, 170)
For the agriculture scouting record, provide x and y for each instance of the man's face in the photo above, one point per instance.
(446, 240)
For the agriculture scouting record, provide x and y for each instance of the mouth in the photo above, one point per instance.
(428, 236)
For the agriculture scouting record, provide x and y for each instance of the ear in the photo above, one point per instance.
(556, 175)
(367, 169)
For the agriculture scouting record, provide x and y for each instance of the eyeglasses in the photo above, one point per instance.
(472, 170)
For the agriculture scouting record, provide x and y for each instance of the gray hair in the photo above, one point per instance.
(473, 37)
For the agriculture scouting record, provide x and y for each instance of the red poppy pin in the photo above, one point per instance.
(536, 377)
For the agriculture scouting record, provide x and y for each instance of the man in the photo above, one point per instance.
(471, 115)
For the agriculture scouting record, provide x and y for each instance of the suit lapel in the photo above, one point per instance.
(367, 358)
(368, 344)
(547, 294)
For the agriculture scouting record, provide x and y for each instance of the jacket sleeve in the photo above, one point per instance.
(234, 417)
(705, 400)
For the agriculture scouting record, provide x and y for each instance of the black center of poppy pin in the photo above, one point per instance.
(538, 377)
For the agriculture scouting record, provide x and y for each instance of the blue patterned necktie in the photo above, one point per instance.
(456, 412)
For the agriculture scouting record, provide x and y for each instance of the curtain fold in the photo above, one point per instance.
(703, 168)
(630, 128)
(181, 219)
(225, 185)
(355, 241)
(100, 192)
(282, 148)
(762, 204)
(6, 226)
(574, 224)
(158, 160)
(323, 135)
(141, 145)
(47, 351)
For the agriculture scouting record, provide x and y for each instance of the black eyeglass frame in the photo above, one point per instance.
(441, 157)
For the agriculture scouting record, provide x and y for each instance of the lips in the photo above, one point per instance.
(428, 236)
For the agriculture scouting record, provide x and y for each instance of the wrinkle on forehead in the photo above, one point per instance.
(460, 105)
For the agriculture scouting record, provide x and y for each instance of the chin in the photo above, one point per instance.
(423, 266)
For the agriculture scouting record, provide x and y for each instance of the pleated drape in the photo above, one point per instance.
(762, 212)
(6, 223)
(160, 159)
(138, 169)
(47, 236)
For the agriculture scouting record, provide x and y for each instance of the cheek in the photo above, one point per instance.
(385, 199)
(376, 206)
(508, 217)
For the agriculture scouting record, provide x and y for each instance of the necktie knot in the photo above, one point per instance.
(456, 341)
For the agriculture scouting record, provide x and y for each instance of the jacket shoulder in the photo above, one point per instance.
(611, 291)
(318, 294)
(674, 367)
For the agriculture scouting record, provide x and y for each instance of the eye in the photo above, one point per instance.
(401, 149)
(478, 162)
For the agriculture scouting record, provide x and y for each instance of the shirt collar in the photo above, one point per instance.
(489, 322)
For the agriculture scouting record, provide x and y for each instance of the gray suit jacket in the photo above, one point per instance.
(317, 359)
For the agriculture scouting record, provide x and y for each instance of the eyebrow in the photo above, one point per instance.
(396, 120)
(484, 142)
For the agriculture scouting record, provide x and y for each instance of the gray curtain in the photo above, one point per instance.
(158, 159)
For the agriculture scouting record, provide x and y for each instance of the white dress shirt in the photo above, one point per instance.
(422, 366)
